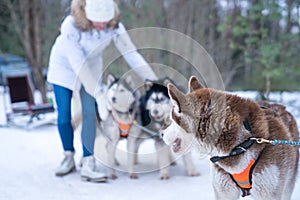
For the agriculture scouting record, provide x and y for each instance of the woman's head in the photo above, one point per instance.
(95, 14)
(99, 10)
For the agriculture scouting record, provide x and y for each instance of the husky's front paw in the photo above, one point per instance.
(133, 176)
(164, 176)
(113, 177)
(193, 173)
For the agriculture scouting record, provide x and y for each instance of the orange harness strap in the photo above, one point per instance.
(124, 128)
(243, 179)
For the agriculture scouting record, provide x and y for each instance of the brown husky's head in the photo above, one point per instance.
(199, 116)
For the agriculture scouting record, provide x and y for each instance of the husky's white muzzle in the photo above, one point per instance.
(176, 137)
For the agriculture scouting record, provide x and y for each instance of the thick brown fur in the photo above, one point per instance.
(279, 111)
(213, 120)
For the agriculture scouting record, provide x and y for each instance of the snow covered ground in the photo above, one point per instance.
(28, 159)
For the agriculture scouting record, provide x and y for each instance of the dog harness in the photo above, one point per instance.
(243, 180)
(123, 128)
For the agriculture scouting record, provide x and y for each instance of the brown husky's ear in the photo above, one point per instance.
(110, 79)
(176, 96)
(194, 84)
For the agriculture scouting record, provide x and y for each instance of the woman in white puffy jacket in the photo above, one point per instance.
(76, 63)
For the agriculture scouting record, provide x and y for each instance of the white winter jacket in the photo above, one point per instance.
(76, 56)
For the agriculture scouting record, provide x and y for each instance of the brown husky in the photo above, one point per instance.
(231, 129)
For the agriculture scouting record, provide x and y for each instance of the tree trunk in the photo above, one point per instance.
(268, 87)
(289, 16)
(28, 27)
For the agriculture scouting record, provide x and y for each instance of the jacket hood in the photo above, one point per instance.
(82, 23)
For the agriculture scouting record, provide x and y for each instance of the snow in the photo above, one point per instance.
(28, 158)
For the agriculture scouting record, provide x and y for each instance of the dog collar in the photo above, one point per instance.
(241, 148)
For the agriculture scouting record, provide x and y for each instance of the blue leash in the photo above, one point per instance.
(286, 142)
(135, 123)
(274, 142)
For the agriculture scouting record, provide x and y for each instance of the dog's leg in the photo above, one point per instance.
(290, 185)
(289, 188)
(172, 158)
(111, 146)
(163, 155)
(131, 146)
(136, 149)
(117, 162)
(189, 164)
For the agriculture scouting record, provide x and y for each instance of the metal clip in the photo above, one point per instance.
(262, 140)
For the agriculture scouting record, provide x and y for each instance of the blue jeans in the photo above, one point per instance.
(63, 98)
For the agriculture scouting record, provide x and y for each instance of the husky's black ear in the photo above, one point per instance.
(148, 84)
(110, 79)
(194, 84)
(177, 97)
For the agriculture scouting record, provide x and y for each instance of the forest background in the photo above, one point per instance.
(254, 43)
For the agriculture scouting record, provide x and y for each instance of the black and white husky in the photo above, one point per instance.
(155, 107)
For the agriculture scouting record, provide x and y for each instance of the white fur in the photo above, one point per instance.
(173, 132)
(120, 98)
(268, 178)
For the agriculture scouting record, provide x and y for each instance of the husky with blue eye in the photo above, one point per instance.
(155, 109)
(235, 132)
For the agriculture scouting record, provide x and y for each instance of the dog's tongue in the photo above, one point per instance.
(176, 145)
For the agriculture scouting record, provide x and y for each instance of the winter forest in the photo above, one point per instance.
(255, 44)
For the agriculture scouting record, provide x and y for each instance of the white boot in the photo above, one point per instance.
(89, 172)
(67, 165)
